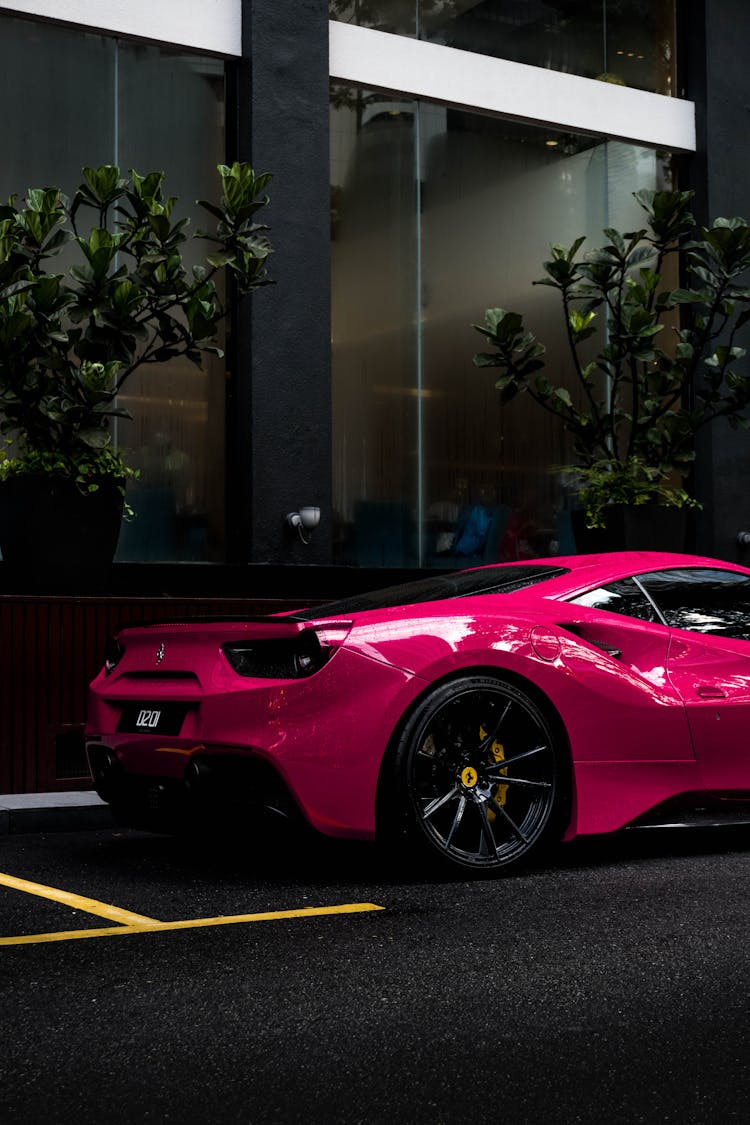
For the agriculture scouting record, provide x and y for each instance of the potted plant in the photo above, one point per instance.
(70, 341)
(640, 398)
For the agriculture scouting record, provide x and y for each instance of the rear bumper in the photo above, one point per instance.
(223, 787)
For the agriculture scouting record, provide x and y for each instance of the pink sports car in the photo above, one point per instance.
(475, 716)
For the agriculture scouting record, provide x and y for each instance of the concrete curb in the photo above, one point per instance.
(52, 812)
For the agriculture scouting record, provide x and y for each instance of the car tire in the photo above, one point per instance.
(482, 778)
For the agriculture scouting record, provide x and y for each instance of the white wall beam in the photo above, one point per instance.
(214, 26)
(381, 61)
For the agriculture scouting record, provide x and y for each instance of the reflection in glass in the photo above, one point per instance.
(64, 117)
(397, 16)
(623, 597)
(96, 100)
(374, 344)
(628, 42)
(176, 436)
(702, 600)
(438, 214)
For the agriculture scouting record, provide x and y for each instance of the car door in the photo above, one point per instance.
(621, 620)
(708, 611)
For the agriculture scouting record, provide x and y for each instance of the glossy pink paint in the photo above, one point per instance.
(627, 717)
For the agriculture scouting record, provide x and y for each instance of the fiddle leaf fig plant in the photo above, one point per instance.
(640, 399)
(71, 339)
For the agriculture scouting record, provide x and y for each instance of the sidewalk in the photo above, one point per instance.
(52, 812)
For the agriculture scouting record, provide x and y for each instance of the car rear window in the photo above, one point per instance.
(503, 580)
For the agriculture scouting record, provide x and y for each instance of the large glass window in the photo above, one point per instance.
(437, 215)
(96, 100)
(630, 42)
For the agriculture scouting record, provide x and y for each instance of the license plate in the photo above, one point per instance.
(152, 718)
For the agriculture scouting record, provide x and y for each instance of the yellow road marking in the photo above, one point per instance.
(150, 926)
(87, 905)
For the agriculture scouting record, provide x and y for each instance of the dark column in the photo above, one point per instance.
(279, 400)
(717, 78)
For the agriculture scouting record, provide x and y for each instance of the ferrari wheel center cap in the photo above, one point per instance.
(469, 777)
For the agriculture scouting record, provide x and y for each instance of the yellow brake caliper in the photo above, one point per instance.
(500, 792)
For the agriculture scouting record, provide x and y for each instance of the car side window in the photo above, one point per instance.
(623, 597)
(702, 599)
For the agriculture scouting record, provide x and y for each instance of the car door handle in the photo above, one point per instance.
(710, 691)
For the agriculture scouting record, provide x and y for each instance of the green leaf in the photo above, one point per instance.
(486, 359)
(95, 438)
(212, 208)
(126, 300)
(581, 324)
(687, 297)
(222, 258)
(104, 182)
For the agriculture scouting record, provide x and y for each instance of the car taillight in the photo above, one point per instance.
(332, 634)
(113, 653)
(287, 658)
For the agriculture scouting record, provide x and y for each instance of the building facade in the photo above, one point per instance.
(425, 154)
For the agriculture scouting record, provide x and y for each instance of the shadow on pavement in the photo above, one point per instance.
(294, 856)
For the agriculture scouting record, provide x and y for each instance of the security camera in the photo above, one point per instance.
(310, 517)
(304, 520)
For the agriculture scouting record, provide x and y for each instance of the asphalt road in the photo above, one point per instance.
(610, 986)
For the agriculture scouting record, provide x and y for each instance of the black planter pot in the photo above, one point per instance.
(50, 530)
(647, 527)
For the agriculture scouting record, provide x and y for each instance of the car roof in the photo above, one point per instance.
(583, 572)
(570, 575)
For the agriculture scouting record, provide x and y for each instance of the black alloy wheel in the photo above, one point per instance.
(483, 777)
